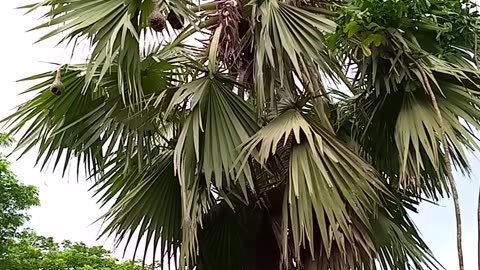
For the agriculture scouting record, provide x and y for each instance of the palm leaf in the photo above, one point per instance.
(93, 122)
(289, 39)
(399, 245)
(132, 194)
(321, 173)
(214, 136)
(207, 146)
(393, 114)
(113, 29)
(78, 111)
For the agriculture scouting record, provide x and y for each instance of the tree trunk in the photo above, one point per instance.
(451, 180)
(267, 252)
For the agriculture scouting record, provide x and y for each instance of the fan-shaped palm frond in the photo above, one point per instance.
(92, 122)
(209, 139)
(137, 208)
(287, 37)
(113, 29)
(212, 132)
(321, 173)
(399, 245)
(51, 115)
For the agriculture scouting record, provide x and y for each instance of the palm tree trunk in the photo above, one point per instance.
(267, 251)
(448, 164)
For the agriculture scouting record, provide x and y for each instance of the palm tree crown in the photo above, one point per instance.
(262, 134)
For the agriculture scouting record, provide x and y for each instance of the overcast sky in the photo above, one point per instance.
(68, 210)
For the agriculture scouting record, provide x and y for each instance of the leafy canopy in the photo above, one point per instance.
(15, 199)
(30, 251)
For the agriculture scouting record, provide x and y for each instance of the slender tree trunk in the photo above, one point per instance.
(478, 222)
(448, 164)
(475, 58)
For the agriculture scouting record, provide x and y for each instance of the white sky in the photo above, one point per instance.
(67, 209)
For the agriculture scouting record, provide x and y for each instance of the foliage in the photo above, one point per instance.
(242, 141)
(23, 249)
(397, 57)
(32, 252)
(15, 199)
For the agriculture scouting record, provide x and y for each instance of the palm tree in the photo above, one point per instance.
(262, 134)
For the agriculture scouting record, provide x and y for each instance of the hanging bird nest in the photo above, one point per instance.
(175, 20)
(156, 20)
(57, 86)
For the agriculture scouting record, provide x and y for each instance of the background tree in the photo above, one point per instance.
(23, 249)
(263, 134)
(30, 251)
